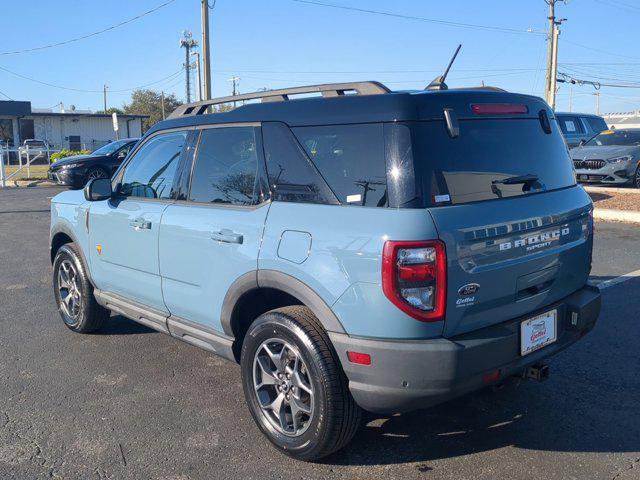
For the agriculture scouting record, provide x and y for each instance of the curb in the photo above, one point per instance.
(616, 215)
(29, 183)
(611, 190)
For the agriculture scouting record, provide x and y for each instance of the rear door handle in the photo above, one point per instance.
(227, 236)
(140, 224)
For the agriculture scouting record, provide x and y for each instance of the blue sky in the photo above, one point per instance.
(278, 43)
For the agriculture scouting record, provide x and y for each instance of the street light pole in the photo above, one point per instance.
(206, 55)
(197, 55)
(104, 95)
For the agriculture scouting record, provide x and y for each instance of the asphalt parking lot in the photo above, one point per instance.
(128, 402)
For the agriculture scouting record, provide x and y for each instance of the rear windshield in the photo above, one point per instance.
(615, 138)
(489, 160)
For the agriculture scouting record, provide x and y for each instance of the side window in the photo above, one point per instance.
(226, 167)
(151, 172)
(292, 176)
(570, 125)
(597, 124)
(351, 158)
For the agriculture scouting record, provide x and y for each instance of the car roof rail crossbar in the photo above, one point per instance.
(280, 95)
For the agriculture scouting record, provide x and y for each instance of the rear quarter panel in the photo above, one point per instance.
(344, 261)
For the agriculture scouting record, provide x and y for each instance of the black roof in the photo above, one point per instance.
(345, 109)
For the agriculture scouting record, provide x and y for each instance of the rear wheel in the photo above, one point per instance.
(74, 293)
(294, 386)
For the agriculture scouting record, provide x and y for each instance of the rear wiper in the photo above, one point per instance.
(527, 179)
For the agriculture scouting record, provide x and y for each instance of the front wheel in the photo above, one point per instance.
(294, 386)
(74, 293)
(636, 178)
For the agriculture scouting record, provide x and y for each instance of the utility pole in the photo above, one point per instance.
(197, 55)
(597, 94)
(104, 96)
(162, 103)
(571, 99)
(550, 37)
(554, 66)
(206, 55)
(234, 80)
(187, 42)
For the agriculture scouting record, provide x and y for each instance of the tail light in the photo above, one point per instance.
(414, 278)
(499, 109)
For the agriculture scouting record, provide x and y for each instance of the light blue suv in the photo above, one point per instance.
(353, 249)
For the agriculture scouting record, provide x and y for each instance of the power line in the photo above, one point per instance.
(422, 19)
(5, 95)
(72, 89)
(605, 52)
(89, 35)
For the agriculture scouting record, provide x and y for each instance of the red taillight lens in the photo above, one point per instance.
(414, 278)
(359, 358)
(499, 109)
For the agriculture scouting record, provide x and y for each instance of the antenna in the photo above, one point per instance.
(438, 82)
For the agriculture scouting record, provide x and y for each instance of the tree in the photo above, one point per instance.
(111, 111)
(148, 102)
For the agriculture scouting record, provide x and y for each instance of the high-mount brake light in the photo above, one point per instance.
(499, 109)
(414, 278)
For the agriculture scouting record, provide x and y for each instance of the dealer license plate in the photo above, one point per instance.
(538, 332)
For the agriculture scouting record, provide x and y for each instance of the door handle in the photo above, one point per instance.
(140, 224)
(227, 236)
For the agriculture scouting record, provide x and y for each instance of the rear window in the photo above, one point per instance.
(489, 160)
(351, 158)
(597, 124)
(570, 125)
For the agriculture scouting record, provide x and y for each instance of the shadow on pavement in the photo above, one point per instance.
(119, 325)
(589, 404)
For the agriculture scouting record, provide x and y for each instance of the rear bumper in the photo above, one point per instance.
(413, 374)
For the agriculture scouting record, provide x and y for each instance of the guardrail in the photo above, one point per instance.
(26, 156)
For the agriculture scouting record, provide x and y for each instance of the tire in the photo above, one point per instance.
(635, 183)
(333, 417)
(74, 293)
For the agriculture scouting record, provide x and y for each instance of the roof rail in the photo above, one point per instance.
(327, 90)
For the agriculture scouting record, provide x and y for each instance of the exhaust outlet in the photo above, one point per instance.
(538, 372)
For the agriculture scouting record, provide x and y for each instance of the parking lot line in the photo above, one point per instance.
(617, 280)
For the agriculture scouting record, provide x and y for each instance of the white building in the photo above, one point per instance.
(73, 130)
(623, 119)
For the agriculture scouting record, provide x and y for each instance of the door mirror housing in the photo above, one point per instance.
(98, 189)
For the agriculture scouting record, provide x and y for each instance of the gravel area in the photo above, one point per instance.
(616, 201)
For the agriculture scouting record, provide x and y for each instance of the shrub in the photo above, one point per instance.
(67, 153)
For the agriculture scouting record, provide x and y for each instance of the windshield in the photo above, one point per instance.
(615, 138)
(109, 148)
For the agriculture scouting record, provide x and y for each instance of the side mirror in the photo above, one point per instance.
(98, 189)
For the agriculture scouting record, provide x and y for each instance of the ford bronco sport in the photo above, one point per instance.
(356, 249)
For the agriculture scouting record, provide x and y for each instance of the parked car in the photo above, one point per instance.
(77, 170)
(611, 157)
(373, 250)
(580, 127)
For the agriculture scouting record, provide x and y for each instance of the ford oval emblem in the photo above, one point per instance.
(468, 289)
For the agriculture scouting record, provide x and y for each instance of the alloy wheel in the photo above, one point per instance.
(283, 387)
(97, 173)
(69, 291)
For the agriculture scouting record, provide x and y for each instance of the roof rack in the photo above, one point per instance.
(281, 95)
